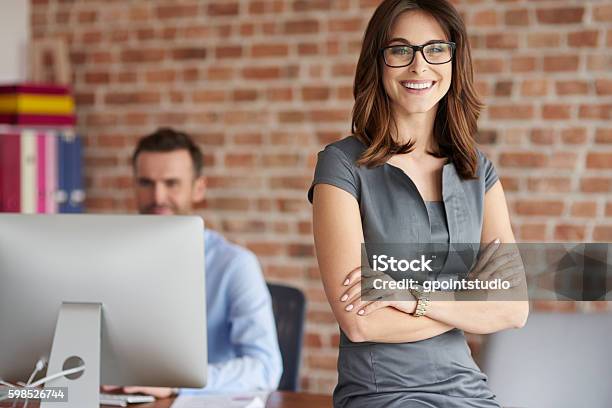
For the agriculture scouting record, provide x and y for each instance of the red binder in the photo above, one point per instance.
(10, 164)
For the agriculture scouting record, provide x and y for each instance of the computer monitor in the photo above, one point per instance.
(131, 294)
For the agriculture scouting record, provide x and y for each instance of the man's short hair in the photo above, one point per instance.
(166, 139)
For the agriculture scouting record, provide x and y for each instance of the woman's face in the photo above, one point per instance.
(416, 28)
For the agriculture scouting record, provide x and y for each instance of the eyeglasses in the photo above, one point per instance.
(402, 55)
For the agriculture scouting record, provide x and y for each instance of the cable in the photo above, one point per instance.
(40, 365)
(8, 384)
(46, 379)
(57, 375)
(53, 377)
(2, 398)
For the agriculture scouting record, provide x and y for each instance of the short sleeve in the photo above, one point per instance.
(333, 167)
(490, 175)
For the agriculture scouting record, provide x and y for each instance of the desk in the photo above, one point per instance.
(278, 399)
(283, 399)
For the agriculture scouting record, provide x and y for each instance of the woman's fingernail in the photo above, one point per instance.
(497, 241)
(343, 298)
(361, 312)
(349, 308)
(347, 281)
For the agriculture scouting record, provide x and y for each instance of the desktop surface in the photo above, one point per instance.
(277, 399)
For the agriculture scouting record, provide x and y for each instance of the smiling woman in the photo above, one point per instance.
(444, 62)
(409, 173)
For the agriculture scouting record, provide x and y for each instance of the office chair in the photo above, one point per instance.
(557, 360)
(289, 305)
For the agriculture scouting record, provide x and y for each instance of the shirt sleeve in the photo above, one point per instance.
(488, 170)
(333, 167)
(258, 365)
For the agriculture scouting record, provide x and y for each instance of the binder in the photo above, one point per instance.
(29, 183)
(51, 142)
(63, 158)
(76, 196)
(1, 174)
(10, 163)
(71, 195)
(41, 171)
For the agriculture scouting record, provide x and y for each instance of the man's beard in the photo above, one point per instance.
(162, 210)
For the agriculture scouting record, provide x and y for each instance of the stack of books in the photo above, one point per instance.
(40, 152)
(32, 104)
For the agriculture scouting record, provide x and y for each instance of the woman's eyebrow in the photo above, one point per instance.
(399, 39)
(405, 41)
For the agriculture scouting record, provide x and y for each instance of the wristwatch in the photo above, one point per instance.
(422, 300)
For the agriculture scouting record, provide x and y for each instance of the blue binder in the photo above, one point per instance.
(70, 174)
(77, 194)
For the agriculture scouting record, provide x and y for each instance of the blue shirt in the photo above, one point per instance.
(243, 353)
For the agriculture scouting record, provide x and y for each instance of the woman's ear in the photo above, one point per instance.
(199, 189)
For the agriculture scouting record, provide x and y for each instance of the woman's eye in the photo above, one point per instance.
(400, 50)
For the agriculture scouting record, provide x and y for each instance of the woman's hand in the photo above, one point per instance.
(497, 262)
(157, 392)
(399, 299)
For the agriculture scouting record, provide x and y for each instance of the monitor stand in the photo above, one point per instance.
(77, 341)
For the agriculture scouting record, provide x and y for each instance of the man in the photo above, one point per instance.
(243, 353)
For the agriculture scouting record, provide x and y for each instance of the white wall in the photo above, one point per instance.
(14, 36)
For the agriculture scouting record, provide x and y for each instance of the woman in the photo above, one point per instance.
(410, 173)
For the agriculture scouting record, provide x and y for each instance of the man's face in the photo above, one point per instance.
(165, 183)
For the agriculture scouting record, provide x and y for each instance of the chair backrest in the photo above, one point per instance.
(556, 360)
(289, 306)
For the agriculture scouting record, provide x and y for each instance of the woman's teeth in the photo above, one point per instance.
(414, 85)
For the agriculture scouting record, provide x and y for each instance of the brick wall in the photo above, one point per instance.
(263, 85)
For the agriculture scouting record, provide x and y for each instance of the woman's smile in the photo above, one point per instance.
(420, 87)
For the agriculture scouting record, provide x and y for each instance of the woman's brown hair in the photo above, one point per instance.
(455, 124)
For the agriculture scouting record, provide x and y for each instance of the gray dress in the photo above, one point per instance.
(436, 372)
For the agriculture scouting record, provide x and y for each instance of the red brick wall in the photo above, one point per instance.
(263, 85)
